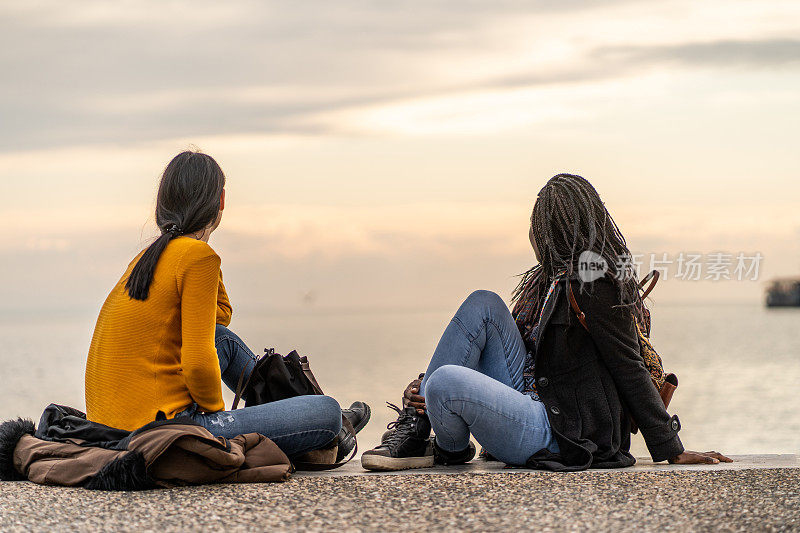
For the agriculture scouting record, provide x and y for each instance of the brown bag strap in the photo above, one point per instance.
(240, 387)
(310, 375)
(574, 304)
(654, 275)
(671, 380)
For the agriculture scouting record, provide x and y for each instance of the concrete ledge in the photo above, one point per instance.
(756, 493)
(477, 466)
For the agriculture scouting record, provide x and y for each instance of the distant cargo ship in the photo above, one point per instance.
(784, 293)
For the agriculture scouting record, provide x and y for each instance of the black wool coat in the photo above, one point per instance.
(592, 381)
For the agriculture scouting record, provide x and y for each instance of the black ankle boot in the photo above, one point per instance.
(445, 458)
(358, 415)
(406, 446)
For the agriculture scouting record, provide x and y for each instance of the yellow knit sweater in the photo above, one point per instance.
(158, 354)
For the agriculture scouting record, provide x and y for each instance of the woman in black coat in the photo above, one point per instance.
(538, 387)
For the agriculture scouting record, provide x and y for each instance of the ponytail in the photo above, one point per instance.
(138, 283)
(188, 201)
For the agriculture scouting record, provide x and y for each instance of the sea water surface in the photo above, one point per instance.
(738, 365)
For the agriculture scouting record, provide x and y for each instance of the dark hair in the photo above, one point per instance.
(569, 218)
(188, 201)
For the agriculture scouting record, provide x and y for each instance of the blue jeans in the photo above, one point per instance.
(296, 425)
(474, 385)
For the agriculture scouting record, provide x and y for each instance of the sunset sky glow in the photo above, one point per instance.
(385, 155)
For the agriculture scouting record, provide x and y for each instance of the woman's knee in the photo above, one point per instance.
(443, 382)
(484, 300)
(330, 414)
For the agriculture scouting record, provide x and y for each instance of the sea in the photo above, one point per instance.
(738, 364)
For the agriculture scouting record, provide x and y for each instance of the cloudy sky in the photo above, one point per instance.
(387, 154)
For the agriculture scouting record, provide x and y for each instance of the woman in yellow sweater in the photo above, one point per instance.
(161, 346)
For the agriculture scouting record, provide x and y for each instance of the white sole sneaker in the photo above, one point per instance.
(380, 462)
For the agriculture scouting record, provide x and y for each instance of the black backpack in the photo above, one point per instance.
(276, 377)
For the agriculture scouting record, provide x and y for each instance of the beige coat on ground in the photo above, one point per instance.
(165, 455)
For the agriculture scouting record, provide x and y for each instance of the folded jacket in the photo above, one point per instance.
(69, 450)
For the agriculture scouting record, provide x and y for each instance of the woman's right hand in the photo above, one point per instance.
(411, 397)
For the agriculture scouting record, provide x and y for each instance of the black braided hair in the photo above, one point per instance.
(569, 218)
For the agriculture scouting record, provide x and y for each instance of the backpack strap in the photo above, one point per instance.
(654, 275)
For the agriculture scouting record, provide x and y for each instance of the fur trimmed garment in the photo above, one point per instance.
(164, 453)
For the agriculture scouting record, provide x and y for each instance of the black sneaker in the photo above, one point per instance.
(445, 458)
(358, 415)
(407, 446)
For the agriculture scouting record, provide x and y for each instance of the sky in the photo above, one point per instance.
(387, 155)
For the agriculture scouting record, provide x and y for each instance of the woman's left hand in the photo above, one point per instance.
(693, 458)
(411, 398)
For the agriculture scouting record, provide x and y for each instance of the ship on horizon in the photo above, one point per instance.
(784, 292)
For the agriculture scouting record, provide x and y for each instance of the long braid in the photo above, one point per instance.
(569, 218)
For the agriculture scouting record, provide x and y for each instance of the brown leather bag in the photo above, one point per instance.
(665, 384)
